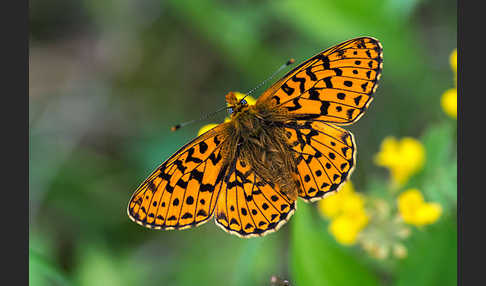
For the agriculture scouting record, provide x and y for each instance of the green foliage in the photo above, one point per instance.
(43, 272)
(432, 258)
(439, 177)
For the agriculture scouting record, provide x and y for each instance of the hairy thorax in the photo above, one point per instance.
(258, 138)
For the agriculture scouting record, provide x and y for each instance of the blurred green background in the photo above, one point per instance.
(107, 79)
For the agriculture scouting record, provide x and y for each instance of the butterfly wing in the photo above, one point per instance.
(248, 206)
(334, 86)
(325, 156)
(182, 192)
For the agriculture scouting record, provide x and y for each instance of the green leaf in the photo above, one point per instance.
(236, 33)
(256, 261)
(98, 264)
(438, 180)
(43, 272)
(438, 141)
(316, 259)
(432, 256)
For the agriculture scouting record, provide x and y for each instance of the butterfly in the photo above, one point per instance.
(248, 172)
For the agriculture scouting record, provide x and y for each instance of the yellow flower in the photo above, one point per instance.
(206, 128)
(414, 210)
(428, 213)
(334, 205)
(449, 102)
(347, 214)
(403, 158)
(250, 100)
(346, 227)
(453, 60)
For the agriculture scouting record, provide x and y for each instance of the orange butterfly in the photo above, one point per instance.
(249, 172)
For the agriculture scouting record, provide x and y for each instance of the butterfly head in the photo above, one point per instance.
(235, 105)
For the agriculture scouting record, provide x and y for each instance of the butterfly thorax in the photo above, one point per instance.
(260, 142)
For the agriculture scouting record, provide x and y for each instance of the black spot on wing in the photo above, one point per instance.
(287, 89)
(313, 94)
(308, 72)
(296, 106)
(301, 82)
(190, 158)
(203, 147)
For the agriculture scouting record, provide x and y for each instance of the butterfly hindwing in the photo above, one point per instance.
(183, 191)
(248, 206)
(334, 86)
(325, 156)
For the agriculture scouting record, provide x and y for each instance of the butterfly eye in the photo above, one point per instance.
(244, 101)
(230, 110)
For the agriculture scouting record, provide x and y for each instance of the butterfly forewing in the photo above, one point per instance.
(183, 191)
(334, 86)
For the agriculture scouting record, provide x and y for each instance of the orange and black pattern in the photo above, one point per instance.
(324, 154)
(225, 173)
(248, 206)
(334, 86)
(184, 190)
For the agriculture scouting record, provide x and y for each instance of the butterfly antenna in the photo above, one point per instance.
(288, 63)
(180, 125)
